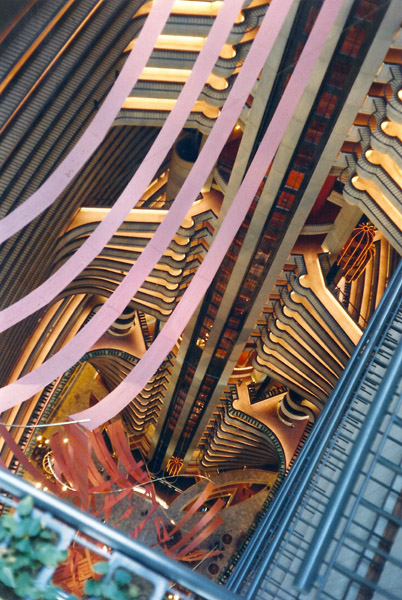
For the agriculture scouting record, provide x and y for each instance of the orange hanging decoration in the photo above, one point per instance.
(358, 252)
(174, 465)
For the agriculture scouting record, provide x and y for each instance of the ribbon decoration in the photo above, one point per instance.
(86, 478)
(121, 396)
(209, 522)
(28, 385)
(48, 290)
(24, 460)
(56, 183)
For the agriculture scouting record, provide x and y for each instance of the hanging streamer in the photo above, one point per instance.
(173, 125)
(56, 183)
(145, 368)
(24, 460)
(28, 385)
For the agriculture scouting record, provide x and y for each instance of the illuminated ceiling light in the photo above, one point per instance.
(65, 440)
(45, 489)
(174, 465)
(39, 437)
(38, 485)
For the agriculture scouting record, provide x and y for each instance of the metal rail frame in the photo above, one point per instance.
(266, 541)
(67, 520)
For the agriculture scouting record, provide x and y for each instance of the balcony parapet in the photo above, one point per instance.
(238, 439)
(383, 180)
(73, 525)
(303, 342)
(376, 214)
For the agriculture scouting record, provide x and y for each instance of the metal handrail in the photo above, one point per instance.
(341, 494)
(162, 566)
(277, 519)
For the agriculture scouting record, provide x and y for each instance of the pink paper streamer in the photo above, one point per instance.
(93, 246)
(28, 385)
(48, 192)
(121, 396)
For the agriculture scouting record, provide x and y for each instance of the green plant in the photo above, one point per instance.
(27, 546)
(120, 586)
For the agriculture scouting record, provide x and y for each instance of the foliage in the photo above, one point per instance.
(121, 587)
(27, 545)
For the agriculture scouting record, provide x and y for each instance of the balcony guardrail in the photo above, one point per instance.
(168, 578)
(258, 556)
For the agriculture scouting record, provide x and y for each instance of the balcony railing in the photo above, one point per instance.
(164, 578)
(303, 539)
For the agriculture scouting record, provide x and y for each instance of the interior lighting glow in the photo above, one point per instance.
(185, 43)
(175, 42)
(179, 76)
(161, 74)
(167, 104)
(160, 501)
(197, 7)
(183, 7)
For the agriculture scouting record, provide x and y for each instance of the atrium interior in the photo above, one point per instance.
(200, 241)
